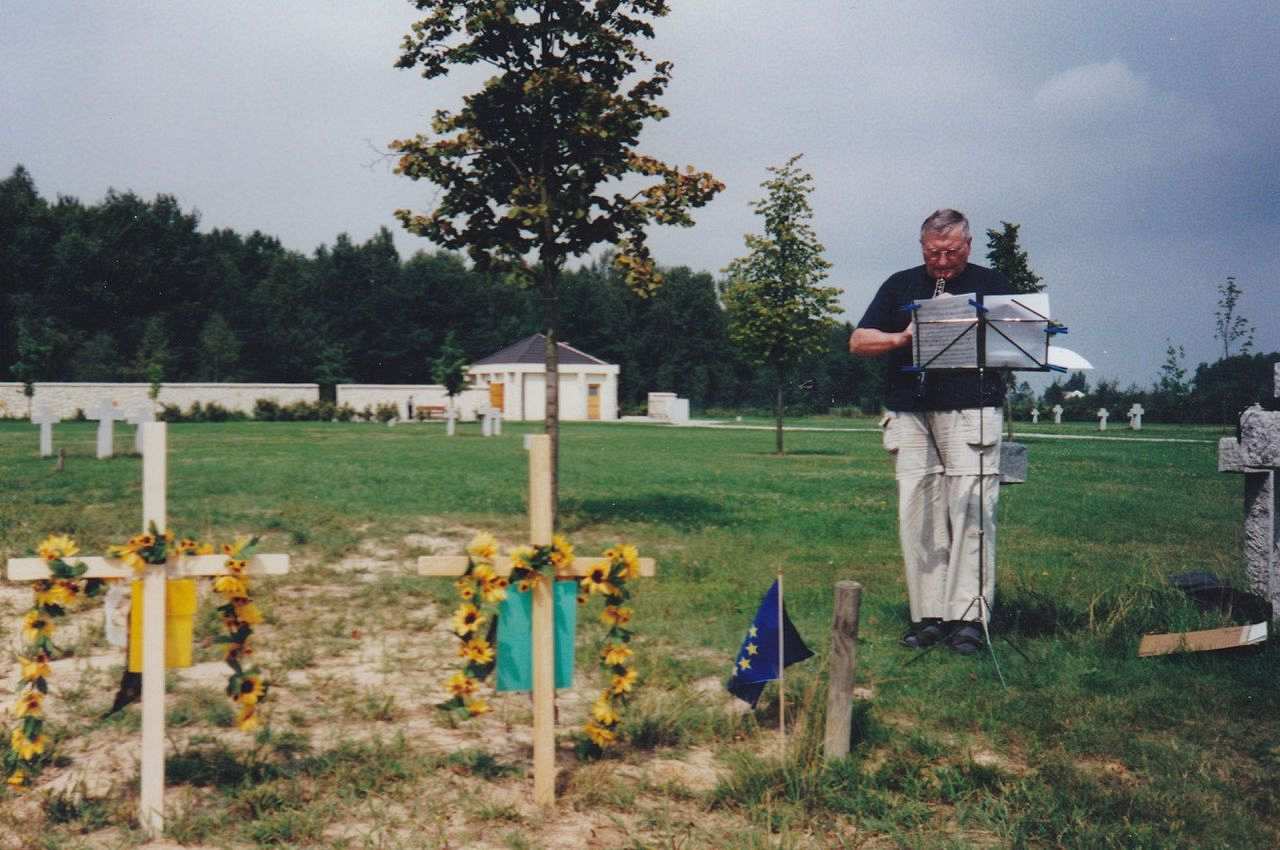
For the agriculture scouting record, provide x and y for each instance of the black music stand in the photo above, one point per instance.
(962, 333)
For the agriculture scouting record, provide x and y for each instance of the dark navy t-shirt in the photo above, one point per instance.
(937, 390)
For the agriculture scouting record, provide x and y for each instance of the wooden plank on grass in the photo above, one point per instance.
(1201, 641)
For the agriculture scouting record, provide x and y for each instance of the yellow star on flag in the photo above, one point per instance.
(751, 632)
(744, 664)
(752, 649)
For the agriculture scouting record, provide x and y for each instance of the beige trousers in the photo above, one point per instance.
(938, 510)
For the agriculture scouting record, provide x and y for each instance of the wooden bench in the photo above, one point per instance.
(426, 411)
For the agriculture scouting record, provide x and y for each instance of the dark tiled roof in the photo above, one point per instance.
(533, 350)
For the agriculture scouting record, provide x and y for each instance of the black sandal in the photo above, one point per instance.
(967, 639)
(923, 636)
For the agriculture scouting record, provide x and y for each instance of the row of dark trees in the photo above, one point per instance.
(1215, 394)
(130, 289)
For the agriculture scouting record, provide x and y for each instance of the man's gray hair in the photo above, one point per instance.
(941, 221)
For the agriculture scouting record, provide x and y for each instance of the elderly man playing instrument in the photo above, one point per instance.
(940, 448)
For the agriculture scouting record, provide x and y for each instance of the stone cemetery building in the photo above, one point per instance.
(516, 383)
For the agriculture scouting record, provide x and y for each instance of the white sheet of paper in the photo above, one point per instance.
(1067, 359)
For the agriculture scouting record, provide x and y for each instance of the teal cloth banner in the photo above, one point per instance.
(515, 637)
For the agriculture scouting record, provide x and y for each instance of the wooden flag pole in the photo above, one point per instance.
(544, 685)
(782, 664)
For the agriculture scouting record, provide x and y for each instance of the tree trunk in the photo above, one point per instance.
(550, 316)
(778, 412)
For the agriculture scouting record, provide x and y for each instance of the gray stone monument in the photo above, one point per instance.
(1135, 416)
(1057, 414)
(1035, 416)
(45, 419)
(1256, 456)
(1013, 463)
(106, 414)
(497, 422)
(143, 411)
(1102, 415)
(450, 421)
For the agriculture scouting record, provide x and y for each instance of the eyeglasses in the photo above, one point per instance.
(943, 254)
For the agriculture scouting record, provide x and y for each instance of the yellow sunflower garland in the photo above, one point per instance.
(479, 587)
(53, 598)
(475, 626)
(610, 581)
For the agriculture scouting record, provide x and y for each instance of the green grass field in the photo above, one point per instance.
(1088, 747)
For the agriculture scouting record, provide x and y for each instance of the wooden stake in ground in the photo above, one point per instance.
(540, 534)
(841, 666)
(154, 464)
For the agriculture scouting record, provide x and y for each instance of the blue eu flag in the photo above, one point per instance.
(758, 661)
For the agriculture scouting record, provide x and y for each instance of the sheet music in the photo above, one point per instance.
(944, 333)
(946, 337)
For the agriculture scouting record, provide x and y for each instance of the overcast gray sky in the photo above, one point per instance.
(1136, 143)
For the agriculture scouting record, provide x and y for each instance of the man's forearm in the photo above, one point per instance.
(869, 342)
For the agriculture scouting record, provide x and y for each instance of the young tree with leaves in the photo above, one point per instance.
(524, 164)
(450, 368)
(1229, 326)
(779, 314)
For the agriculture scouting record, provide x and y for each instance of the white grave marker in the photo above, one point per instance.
(45, 419)
(1035, 416)
(1057, 414)
(1102, 415)
(1135, 416)
(154, 464)
(540, 532)
(106, 414)
(142, 412)
(450, 422)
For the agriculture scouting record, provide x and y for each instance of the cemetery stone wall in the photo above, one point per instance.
(63, 399)
(360, 396)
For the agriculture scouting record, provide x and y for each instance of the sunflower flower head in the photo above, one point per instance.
(250, 691)
(461, 685)
(36, 625)
(34, 668)
(232, 585)
(615, 615)
(622, 684)
(27, 748)
(55, 547)
(477, 706)
(561, 553)
(29, 704)
(597, 581)
(599, 735)
(602, 710)
(467, 619)
(483, 547)
(615, 654)
(478, 650)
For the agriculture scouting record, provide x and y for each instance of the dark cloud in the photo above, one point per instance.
(1133, 143)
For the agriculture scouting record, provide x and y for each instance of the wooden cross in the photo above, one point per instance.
(45, 419)
(154, 464)
(540, 534)
(106, 415)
